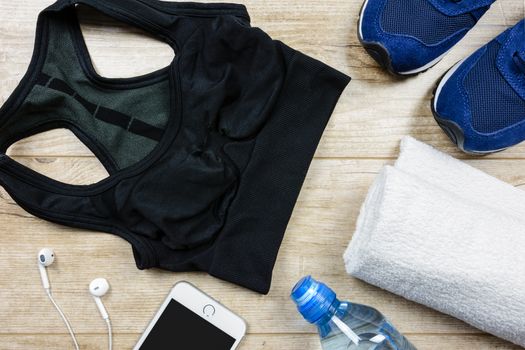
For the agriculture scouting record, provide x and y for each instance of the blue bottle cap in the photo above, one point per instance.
(313, 299)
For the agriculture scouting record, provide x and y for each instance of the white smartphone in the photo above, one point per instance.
(191, 320)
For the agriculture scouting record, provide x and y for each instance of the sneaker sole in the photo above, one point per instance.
(453, 130)
(381, 55)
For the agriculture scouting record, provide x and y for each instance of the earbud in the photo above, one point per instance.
(46, 257)
(98, 288)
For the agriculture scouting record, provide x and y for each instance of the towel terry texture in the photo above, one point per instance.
(444, 234)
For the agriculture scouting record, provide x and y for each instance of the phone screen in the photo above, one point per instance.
(181, 329)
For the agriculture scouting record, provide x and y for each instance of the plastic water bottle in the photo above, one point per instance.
(343, 325)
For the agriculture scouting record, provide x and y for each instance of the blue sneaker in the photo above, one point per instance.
(480, 102)
(409, 37)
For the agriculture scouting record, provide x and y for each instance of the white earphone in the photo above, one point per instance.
(45, 258)
(98, 288)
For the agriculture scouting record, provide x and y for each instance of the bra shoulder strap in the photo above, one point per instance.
(54, 203)
(172, 22)
(132, 12)
(30, 191)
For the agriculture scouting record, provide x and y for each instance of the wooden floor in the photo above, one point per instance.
(375, 112)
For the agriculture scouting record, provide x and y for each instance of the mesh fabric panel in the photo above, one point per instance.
(419, 19)
(149, 104)
(494, 103)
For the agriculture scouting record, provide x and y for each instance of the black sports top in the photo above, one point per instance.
(205, 157)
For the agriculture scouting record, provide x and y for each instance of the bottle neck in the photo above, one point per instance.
(332, 311)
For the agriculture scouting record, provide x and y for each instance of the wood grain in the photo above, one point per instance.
(255, 342)
(362, 136)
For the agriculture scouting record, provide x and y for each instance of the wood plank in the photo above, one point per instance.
(252, 342)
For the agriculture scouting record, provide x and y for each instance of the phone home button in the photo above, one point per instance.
(208, 310)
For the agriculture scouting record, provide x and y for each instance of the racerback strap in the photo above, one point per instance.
(173, 22)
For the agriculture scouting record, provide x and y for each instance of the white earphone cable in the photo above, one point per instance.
(110, 334)
(64, 318)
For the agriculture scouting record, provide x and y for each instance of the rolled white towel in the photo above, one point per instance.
(426, 162)
(439, 246)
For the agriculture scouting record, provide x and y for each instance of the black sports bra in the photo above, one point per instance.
(205, 157)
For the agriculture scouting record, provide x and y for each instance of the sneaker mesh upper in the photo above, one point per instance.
(493, 102)
(419, 19)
